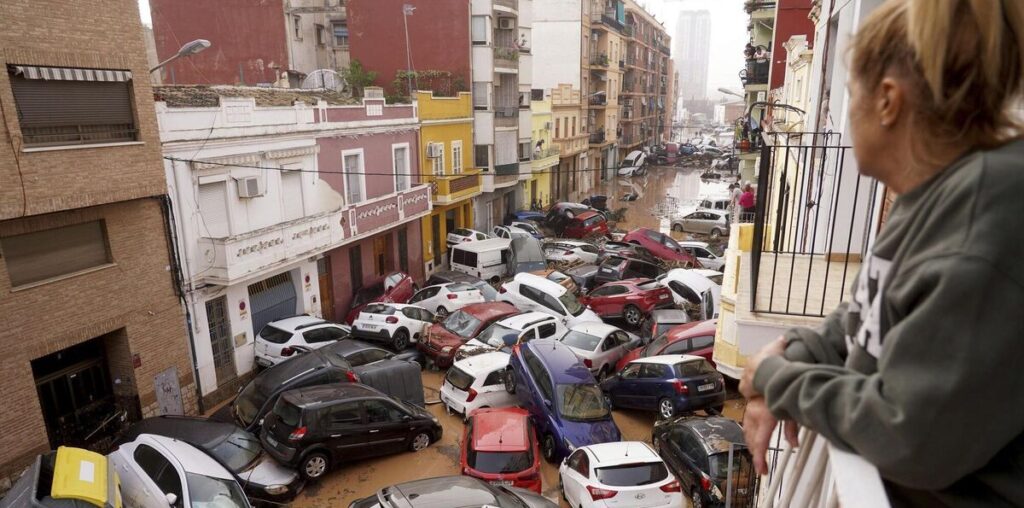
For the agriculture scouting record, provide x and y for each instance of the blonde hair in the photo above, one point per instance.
(962, 59)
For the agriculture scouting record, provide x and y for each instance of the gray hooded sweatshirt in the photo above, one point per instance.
(917, 372)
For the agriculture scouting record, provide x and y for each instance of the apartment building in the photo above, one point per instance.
(265, 220)
(446, 139)
(537, 190)
(93, 325)
(278, 42)
(606, 66)
(645, 105)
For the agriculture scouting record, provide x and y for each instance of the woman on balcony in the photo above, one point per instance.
(917, 372)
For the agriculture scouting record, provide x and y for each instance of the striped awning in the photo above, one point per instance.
(71, 73)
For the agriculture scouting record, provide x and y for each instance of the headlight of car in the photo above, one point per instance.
(569, 445)
(446, 349)
(276, 489)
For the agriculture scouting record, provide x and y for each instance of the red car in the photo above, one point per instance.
(696, 339)
(630, 299)
(500, 446)
(661, 245)
(586, 224)
(397, 287)
(443, 339)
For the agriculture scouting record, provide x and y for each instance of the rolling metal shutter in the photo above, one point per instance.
(272, 298)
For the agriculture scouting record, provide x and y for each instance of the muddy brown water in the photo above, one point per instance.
(352, 481)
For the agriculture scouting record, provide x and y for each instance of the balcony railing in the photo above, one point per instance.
(756, 73)
(753, 5)
(451, 188)
(811, 205)
(507, 54)
(598, 100)
(596, 138)
(600, 60)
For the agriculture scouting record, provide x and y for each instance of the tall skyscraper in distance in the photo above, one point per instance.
(692, 52)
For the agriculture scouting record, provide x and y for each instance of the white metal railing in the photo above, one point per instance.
(818, 475)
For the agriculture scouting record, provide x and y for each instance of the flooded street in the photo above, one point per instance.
(360, 479)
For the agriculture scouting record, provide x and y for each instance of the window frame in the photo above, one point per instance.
(360, 152)
(407, 170)
(472, 35)
(437, 163)
(457, 157)
(29, 283)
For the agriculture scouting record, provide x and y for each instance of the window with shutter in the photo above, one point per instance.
(213, 210)
(40, 255)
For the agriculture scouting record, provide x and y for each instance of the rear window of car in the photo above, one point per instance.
(460, 286)
(499, 462)
(647, 286)
(580, 340)
(376, 308)
(597, 219)
(612, 264)
(693, 368)
(275, 335)
(287, 412)
(459, 378)
(631, 475)
(462, 232)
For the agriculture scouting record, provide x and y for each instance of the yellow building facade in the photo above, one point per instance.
(446, 162)
(537, 190)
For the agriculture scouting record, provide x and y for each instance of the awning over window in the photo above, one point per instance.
(71, 74)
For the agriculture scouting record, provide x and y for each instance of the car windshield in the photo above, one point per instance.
(571, 303)
(656, 344)
(581, 402)
(276, 335)
(741, 465)
(461, 323)
(459, 378)
(490, 294)
(499, 462)
(580, 340)
(368, 294)
(500, 332)
(249, 402)
(670, 242)
(693, 368)
(209, 492)
(632, 475)
(237, 451)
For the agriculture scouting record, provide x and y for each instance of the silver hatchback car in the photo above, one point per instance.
(714, 223)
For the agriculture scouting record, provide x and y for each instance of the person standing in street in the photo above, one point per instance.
(916, 373)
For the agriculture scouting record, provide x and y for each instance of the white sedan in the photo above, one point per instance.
(445, 298)
(395, 323)
(599, 346)
(570, 251)
(462, 235)
(158, 471)
(625, 473)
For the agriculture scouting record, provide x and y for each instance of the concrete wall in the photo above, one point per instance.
(438, 35)
(557, 31)
(248, 40)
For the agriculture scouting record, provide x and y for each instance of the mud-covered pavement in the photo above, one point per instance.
(359, 479)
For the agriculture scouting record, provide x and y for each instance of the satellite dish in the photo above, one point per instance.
(324, 79)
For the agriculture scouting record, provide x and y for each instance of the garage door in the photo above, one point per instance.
(270, 299)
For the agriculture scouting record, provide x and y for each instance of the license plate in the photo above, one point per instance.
(704, 388)
(272, 441)
(370, 327)
(663, 297)
(501, 483)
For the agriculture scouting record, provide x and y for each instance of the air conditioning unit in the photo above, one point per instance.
(434, 150)
(250, 187)
(506, 23)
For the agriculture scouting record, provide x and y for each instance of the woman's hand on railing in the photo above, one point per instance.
(758, 421)
(774, 348)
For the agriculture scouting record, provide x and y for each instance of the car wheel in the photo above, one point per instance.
(419, 441)
(678, 228)
(314, 465)
(400, 341)
(632, 315)
(666, 409)
(510, 381)
(442, 312)
(547, 448)
(716, 234)
(696, 500)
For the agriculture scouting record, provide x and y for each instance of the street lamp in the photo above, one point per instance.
(189, 49)
(730, 92)
(407, 10)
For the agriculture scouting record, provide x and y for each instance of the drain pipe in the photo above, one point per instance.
(179, 287)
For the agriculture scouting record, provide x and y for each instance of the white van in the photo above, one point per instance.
(633, 164)
(485, 259)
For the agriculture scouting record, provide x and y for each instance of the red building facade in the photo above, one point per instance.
(790, 19)
(438, 34)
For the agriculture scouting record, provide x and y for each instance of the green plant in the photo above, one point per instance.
(358, 77)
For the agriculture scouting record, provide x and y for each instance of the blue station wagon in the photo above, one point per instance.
(668, 384)
(565, 403)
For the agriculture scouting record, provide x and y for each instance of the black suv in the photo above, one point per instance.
(619, 268)
(696, 449)
(314, 428)
(342, 362)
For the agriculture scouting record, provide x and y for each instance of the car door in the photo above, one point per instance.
(386, 426)
(156, 477)
(425, 297)
(685, 449)
(552, 306)
(623, 392)
(529, 298)
(343, 430)
(598, 299)
(421, 319)
(690, 222)
(622, 343)
(577, 477)
(650, 386)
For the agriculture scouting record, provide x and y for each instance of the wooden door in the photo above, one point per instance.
(323, 268)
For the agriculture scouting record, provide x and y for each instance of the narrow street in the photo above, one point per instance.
(363, 478)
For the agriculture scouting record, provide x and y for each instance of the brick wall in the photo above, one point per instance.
(131, 302)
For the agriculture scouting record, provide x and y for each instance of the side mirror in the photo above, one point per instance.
(171, 498)
(547, 403)
(406, 418)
